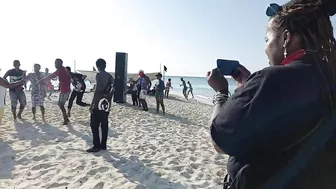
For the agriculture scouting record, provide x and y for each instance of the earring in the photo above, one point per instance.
(285, 52)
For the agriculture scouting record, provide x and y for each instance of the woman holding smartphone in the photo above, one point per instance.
(269, 117)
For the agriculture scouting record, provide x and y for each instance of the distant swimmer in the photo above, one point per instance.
(184, 91)
(190, 91)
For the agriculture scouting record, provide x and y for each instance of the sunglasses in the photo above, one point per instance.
(273, 9)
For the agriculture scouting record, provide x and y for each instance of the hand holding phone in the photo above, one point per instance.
(241, 75)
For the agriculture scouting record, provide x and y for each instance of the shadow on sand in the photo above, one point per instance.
(132, 169)
(7, 160)
(136, 172)
(153, 111)
(45, 133)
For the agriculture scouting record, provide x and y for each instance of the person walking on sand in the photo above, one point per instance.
(37, 91)
(101, 106)
(78, 91)
(145, 85)
(3, 85)
(64, 80)
(168, 86)
(49, 88)
(190, 89)
(159, 88)
(184, 91)
(16, 94)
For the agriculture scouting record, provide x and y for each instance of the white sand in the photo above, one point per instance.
(145, 150)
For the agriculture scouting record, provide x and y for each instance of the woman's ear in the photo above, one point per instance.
(286, 38)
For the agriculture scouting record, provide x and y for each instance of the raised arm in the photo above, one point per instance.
(51, 76)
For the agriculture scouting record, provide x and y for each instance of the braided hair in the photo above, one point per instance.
(310, 19)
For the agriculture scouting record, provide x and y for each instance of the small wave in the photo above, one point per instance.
(204, 97)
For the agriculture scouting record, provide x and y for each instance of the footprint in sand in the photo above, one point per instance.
(100, 185)
(194, 165)
(100, 169)
(41, 166)
(39, 158)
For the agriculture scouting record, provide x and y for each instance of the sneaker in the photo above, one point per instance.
(93, 150)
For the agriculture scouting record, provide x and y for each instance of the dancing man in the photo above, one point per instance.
(78, 91)
(37, 91)
(145, 85)
(3, 85)
(16, 94)
(64, 80)
(49, 88)
(100, 107)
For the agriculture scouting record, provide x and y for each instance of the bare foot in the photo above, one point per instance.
(43, 119)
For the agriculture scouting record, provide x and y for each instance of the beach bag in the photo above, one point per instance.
(312, 143)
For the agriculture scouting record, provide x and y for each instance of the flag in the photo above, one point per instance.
(94, 69)
(165, 68)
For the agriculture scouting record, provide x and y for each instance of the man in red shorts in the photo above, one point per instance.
(64, 80)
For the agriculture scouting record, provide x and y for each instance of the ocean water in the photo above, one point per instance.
(200, 86)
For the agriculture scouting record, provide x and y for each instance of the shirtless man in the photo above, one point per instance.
(64, 80)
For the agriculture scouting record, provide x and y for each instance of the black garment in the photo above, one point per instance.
(135, 98)
(99, 118)
(79, 99)
(77, 81)
(274, 109)
(15, 76)
(104, 91)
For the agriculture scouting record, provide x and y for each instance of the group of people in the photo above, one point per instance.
(140, 88)
(99, 108)
(185, 90)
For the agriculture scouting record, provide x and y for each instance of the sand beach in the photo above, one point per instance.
(145, 149)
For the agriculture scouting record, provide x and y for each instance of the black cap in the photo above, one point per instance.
(159, 74)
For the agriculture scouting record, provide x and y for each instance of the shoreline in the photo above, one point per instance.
(198, 98)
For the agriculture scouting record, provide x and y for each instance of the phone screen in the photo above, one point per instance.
(227, 67)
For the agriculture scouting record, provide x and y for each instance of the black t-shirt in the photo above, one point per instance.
(15, 76)
(78, 82)
(274, 109)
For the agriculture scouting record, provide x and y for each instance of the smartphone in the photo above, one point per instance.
(227, 67)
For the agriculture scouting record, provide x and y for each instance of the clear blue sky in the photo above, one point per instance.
(185, 35)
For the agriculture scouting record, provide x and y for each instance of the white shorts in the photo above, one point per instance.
(143, 94)
(2, 97)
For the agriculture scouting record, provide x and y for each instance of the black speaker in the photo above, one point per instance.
(120, 81)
